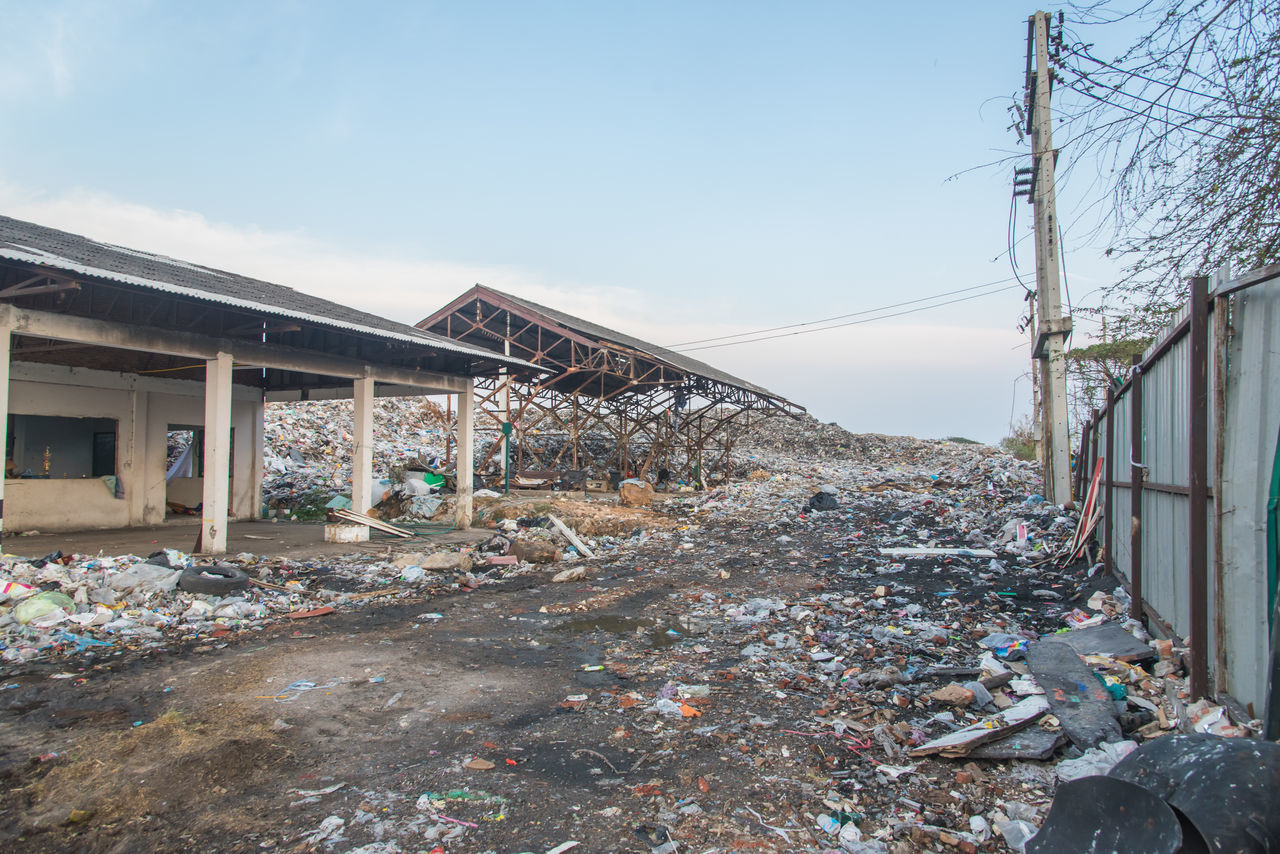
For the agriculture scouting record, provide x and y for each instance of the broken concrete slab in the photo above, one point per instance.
(447, 561)
(1109, 639)
(1030, 743)
(1075, 695)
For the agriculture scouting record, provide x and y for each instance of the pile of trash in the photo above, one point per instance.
(308, 445)
(910, 656)
(86, 606)
(784, 438)
(953, 629)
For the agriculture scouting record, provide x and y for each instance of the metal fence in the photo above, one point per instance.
(1188, 446)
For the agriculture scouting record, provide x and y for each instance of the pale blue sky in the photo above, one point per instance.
(678, 170)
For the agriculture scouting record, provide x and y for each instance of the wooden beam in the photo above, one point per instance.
(54, 286)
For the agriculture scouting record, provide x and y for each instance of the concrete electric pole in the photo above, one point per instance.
(1052, 329)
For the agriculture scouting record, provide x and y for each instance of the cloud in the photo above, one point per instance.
(921, 378)
(403, 289)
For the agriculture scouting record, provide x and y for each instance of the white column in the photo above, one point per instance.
(217, 454)
(362, 453)
(466, 463)
(132, 438)
(256, 466)
(5, 337)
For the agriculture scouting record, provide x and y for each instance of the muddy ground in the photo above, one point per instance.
(231, 744)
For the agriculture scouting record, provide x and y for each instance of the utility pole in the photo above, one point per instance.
(1037, 430)
(1052, 329)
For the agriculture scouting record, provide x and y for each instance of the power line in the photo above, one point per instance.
(1013, 245)
(857, 322)
(842, 316)
(1148, 101)
(1084, 54)
(1147, 114)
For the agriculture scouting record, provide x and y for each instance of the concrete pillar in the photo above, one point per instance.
(5, 337)
(466, 463)
(215, 514)
(362, 453)
(256, 466)
(132, 438)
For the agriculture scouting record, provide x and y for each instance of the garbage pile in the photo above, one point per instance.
(783, 438)
(84, 606)
(951, 671)
(308, 449)
(866, 644)
(308, 446)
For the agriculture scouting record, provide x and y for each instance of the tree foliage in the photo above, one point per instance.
(1094, 368)
(1184, 129)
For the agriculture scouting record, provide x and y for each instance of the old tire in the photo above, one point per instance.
(217, 579)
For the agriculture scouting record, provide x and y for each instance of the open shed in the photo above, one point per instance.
(606, 402)
(107, 350)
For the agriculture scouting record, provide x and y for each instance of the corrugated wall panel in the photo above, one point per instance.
(1165, 579)
(1165, 446)
(1252, 423)
(1253, 420)
(1120, 513)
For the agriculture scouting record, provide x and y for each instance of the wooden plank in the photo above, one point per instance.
(571, 536)
(937, 552)
(376, 524)
(1074, 694)
(962, 741)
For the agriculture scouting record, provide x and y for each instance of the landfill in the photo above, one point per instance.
(862, 644)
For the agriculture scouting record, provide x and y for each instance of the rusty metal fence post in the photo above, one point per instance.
(1080, 478)
(1135, 490)
(1197, 483)
(1108, 524)
(1093, 452)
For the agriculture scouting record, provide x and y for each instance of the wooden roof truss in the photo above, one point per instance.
(600, 406)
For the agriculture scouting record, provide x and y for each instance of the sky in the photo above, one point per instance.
(678, 171)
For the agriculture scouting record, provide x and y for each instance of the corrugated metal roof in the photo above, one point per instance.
(81, 256)
(603, 333)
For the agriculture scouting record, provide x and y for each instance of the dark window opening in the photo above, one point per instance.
(51, 446)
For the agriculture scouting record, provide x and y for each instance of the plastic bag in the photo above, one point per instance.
(147, 577)
(43, 605)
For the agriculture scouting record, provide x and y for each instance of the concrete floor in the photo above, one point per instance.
(260, 537)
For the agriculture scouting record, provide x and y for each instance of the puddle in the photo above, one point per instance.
(615, 624)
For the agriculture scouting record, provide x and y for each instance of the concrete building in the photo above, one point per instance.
(106, 350)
